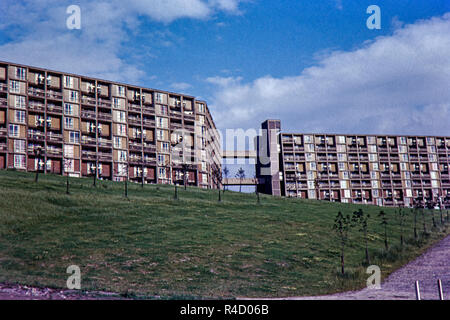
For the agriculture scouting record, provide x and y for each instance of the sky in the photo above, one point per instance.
(312, 64)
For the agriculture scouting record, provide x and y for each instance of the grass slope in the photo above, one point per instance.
(151, 245)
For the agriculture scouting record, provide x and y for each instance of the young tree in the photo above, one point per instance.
(226, 173)
(217, 176)
(401, 218)
(241, 175)
(361, 219)
(430, 206)
(256, 189)
(342, 225)
(185, 169)
(384, 223)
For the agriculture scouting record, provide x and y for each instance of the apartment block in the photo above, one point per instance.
(80, 126)
(383, 170)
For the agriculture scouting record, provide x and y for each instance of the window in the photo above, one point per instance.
(158, 97)
(201, 108)
(19, 146)
(68, 109)
(341, 166)
(68, 82)
(19, 116)
(14, 86)
(74, 137)
(122, 169)
(160, 134)
(404, 157)
(14, 130)
(373, 157)
(161, 159)
(69, 151)
(121, 91)
(120, 116)
(19, 161)
(20, 73)
(375, 166)
(68, 123)
(73, 97)
(122, 129)
(162, 122)
(165, 146)
(69, 165)
(342, 157)
(343, 184)
(373, 175)
(122, 156)
(117, 142)
(19, 102)
(162, 172)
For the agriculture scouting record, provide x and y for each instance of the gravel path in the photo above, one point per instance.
(434, 264)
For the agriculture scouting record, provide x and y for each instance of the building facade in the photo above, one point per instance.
(79, 126)
(384, 170)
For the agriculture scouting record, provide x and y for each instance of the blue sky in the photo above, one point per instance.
(313, 64)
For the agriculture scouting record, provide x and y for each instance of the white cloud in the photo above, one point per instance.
(40, 37)
(394, 84)
(180, 86)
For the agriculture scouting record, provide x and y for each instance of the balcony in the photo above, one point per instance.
(34, 106)
(104, 143)
(88, 141)
(188, 117)
(89, 155)
(88, 101)
(88, 114)
(36, 92)
(3, 102)
(54, 95)
(54, 109)
(148, 122)
(36, 136)
(135, 146)
(3, 146)
(104, 103)
(148, 110)
(134, 108)
(54, 152)
(3, 132)
(134, 120)
(54, 137)
(105, 116)
(150, 161)
(176, 114)
(3, 87)
(102, 156)
(149, 148)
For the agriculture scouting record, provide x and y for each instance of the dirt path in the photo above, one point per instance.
(434, 264)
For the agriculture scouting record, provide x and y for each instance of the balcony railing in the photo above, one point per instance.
(3, 87)
(55, 137)
(54, 109)
(104, 103)
(54, 95)
(54, 152)
(88, 114)
(88, 140)
(148, 122)
(104, 156)
(36, 92)
(105, 116)
(3, 146)
(149, 110)
(104, 143)
(38, 136)
(3, 102)
(36, 107)
(90, 101)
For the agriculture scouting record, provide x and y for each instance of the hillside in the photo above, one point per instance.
(152, 245)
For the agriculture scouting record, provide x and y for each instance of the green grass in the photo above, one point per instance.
(153, 246)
